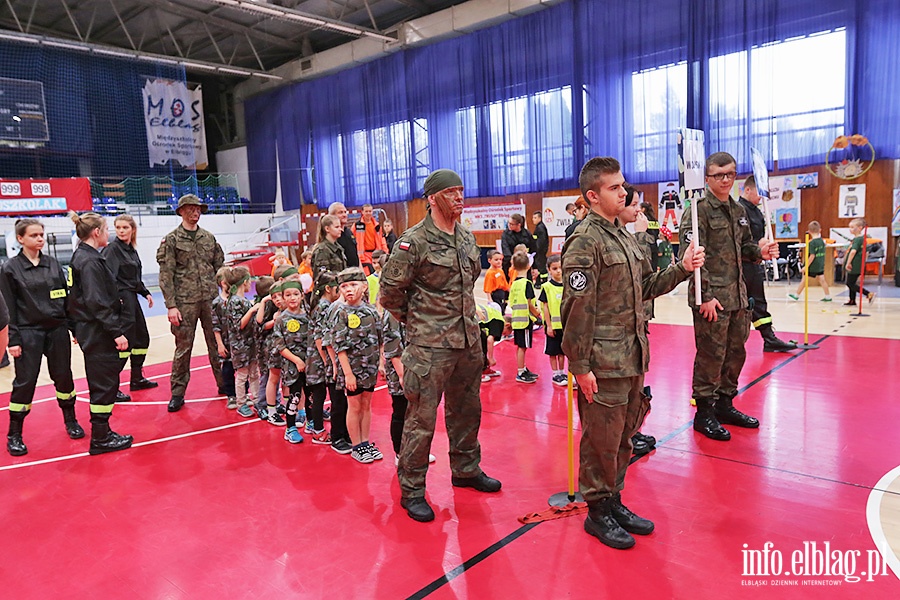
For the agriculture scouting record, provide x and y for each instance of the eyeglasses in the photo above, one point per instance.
(723, 176)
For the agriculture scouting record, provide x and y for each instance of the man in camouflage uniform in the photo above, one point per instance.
(427, 284)
(722, 321)
(606, 279)
(188, 258)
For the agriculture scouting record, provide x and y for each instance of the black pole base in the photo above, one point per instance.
(563, 498)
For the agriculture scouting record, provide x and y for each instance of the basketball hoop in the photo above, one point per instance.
(850, 157)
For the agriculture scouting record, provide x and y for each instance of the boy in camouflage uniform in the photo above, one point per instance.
(220, 330)
(289, 339)
(722, 320)
(319, 373)
(356, 340)
(606, 280)
(240, 313)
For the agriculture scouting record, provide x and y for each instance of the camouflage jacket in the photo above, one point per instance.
(188, 265)
(725, 234)
(328, 256)
(242, 342)
(393, 334)
(290, 332)
(606, 279)
(268, 358)
(357, 331)
(428, 284)
(219, 319)
(315, 367)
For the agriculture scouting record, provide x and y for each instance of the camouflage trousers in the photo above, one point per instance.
(607, 424)
(429, 374)
(720, 353)
(184, 334)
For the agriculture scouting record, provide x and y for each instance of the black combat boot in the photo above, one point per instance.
(629, 521)
(104, 439)
(418, 509)
(75, 431)
(726, 413)
(771, 343)
(480, 482)
(601, 524)
(14, 444)
(642, 444)
(706, 423)
(176, 403)
(138, 381)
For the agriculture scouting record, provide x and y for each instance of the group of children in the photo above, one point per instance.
(306, 346)
(528, 308)
(815, 269)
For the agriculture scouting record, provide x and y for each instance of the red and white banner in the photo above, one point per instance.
(44, 196)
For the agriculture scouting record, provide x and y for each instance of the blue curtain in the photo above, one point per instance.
(519, 106)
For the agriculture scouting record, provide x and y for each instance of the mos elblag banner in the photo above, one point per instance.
(173, 115)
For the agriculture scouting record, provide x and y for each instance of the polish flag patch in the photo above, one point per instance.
(404, 245)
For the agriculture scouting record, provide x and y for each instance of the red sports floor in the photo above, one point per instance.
(236, 512)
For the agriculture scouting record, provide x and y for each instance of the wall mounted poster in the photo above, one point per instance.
(852, 201)
(895, 218)
(784, 202)
(670, 208)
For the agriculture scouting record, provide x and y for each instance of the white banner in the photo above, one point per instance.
(173, 116)
(555, 216)
(481, 218)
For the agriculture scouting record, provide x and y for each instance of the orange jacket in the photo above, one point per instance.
(495, 280)
(368, 238)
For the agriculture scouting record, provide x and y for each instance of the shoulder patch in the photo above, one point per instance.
(688, 235)
(403, 245)
(360, 226)
(743, 221)
(577, 280)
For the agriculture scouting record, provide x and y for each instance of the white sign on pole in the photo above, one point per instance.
(173, 116)
(556, 218)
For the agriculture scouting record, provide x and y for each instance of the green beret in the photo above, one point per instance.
(441, 180)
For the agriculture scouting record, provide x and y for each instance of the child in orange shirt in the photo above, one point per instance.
(495, 283)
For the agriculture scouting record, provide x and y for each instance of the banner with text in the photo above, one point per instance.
(173, 115)
(44, 196)
(487, 218)
(555, 216)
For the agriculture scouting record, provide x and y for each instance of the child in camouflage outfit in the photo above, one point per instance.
(318, 364)
(220, 330)
(289, 340)
(239, 313)
(356, 339)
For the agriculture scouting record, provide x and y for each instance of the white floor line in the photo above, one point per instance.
(148, 403)
(137, 445)
(84, 392)
(873, 517)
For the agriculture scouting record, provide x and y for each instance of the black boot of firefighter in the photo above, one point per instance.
(771, 343)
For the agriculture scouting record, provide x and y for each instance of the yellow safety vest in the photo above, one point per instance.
(374, 285)
(521, 315)
(554, 303)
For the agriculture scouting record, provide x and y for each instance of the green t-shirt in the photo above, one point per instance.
(856, 263)
(817, 255)
(665, 255)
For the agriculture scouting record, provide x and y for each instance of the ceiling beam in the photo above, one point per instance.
(220, 23)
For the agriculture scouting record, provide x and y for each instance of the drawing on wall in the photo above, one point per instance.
(852, 201)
